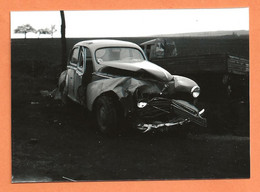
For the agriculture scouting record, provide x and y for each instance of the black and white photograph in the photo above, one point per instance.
(127, 95)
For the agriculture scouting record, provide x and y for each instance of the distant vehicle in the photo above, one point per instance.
(232, 71)
(163, 52)
(159, 48)
(115, 80)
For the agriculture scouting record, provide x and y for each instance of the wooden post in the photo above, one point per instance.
(63, 42)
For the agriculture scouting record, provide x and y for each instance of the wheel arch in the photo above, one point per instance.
(111, 94)
(115, 108)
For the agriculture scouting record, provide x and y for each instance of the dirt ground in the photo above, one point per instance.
(54, 143)
(51, 143)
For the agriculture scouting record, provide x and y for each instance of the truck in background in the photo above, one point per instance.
(229, 72)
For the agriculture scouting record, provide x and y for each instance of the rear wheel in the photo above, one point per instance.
(107, 114)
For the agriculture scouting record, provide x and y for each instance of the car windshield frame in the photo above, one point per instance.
(142, 56)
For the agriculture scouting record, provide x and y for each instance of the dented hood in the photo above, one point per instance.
(146, 66)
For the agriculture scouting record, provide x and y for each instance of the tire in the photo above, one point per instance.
(107, 115)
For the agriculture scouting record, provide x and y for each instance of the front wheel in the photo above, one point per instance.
(107, 114)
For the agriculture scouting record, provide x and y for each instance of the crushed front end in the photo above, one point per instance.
(160, 113)
(152, 104)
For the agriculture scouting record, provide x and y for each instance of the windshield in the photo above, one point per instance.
(119, 54)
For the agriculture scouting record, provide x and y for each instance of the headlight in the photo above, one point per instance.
(195, 91)
(141, 104)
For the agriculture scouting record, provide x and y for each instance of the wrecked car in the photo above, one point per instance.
(114, 80)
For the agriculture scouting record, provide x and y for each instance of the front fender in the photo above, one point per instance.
(183, 84)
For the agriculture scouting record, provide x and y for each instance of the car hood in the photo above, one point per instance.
(146, 66)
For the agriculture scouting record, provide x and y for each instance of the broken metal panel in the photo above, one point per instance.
(150, 126)
(186, 110)
(121, 86)
(162, 112)
(157, 71)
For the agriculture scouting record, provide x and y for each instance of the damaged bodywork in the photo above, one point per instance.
(115, 81)
(149, 103)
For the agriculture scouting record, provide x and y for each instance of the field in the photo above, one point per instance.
(50, 142)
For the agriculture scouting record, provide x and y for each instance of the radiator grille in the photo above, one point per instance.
(156, 108)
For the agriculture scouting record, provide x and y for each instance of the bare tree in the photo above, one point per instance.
(47, 31)
(52, 30)
(25, 29)
(43, 31)
(63, 41)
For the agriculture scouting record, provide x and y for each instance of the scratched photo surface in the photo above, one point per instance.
(130, 95)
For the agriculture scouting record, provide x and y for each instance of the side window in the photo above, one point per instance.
(75, 56)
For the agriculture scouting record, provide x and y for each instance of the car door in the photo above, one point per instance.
(79, 73)
(83, 75)
(71, 68)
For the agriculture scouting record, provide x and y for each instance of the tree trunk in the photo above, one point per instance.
(63, 42)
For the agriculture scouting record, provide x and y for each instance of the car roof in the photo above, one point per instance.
(95, 44)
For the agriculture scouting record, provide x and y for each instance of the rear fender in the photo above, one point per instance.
(62, 80)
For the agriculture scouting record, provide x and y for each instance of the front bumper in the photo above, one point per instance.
(161, 112)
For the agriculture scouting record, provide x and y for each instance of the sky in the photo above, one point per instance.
(132, 23)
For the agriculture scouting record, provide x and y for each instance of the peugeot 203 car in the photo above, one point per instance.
(115, 81)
